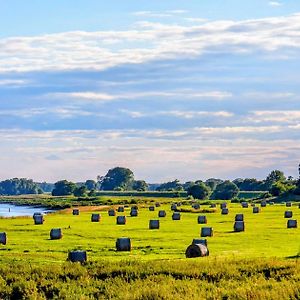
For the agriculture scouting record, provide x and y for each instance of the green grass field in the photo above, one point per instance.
(266, 235)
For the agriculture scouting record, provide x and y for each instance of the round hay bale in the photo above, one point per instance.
(196, 206)
(133, 213)
(200, 241)
(202, 220)
(288, 204)
(75, 212)
(77, 256)
(95, 218)
(263, 204)
(245, 205)
(38, 219)
(121, 209)
(223, 205)
(292, 223)
(288, 214)
(154, 224)
(162, 213)
(176, 216)
(123, 244)
(111, 212)
(56, 234)
(196, 250)
(135, 207)
(255, 210)
(207, 231)
(37, 214)
(224, 211)
(121, 220)
(239, 226)
(173, 207)
(157, 204)
(3, 238)
(151, 208)
(239, 217)
(213, 205)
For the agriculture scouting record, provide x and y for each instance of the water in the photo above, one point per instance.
(9, 210)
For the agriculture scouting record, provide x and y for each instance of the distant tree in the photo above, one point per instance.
(117, 179)
(170, 186)
(187, 185)
(274, 177)
(213, 182)
(63, 188)
(225, 191)
(46, 187)
(91, 184)
(140, 185)
(19, 186)
(249, 184)
(199, 191)
(80, 191)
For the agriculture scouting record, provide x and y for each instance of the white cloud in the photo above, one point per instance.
(275, 3)
(148, 41)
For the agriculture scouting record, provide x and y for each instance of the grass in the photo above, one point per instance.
(260, 263)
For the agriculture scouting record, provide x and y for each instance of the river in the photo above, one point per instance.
(10, 210)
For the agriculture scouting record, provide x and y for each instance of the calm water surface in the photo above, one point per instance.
(9, 210)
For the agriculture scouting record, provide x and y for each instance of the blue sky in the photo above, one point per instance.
(170, 89)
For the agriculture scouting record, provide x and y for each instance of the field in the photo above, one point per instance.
(265, 255)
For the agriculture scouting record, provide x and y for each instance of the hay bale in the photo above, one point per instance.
(202, 220)
(239, 217)
(37, 214)
(199, 241)
(288, 214)
(121, 220)
(288, 204)
(263, 204)
(196, 206)
(123, 244)
(255, 210)
(3, 238)
(213, 205)
(154, 224)
(38, 219)
(95, 218)
(77, 256)
(292, 223)
(121, 209)
(135, 207)
(157, 204)
(133, 213)
(224, 211)
(111, 212)
(56, 234)
(239, 226)
(75, 212)
(245, 205)
(173, 207)
(176, 216)
(206, 231)
(223, 205)
(196, 250)
(151, 208)
(162, 213)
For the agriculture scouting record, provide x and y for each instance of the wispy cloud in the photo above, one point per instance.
(275, 3)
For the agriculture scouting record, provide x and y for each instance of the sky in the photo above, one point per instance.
(170, 89)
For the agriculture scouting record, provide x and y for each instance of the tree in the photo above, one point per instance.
(117, 179)
(63, 188)
(19, 186)
(213, 182)
(170, 186)
(140, 185)
(199, 191)
(91, 184)
(273, 177)
(225, 191)
(80, 191)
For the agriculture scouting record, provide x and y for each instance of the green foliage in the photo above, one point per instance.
(250, 184)
(117, 179)
(63, 188)
(140, 185)
(170, 186)
(212, 183)
(19, 186)
(199, 191)
(91, 184)
(274, 177)
(80, 191)
(225, 191)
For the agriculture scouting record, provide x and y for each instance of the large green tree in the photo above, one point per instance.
(63, 188)
(117, 179)
(199, 191)
(273, 177)
(19, 186)
(140, 185)
(225, 191)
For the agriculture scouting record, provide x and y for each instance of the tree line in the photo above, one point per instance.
(122, 179)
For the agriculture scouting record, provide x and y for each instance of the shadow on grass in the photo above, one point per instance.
(297, 256)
